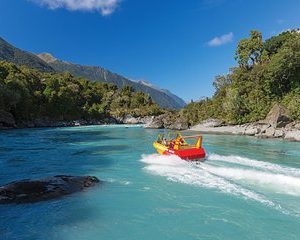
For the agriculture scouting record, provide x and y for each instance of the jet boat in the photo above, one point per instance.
(185, 147)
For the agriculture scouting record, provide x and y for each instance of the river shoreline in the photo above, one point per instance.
(259, 130)
(277, 124)
(290, 132)
(127, 120)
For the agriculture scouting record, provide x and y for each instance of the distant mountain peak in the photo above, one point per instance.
(145, 83)
(47, 57)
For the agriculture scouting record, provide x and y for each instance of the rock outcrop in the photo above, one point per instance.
(292, 135)
(178, 124)
(128, 119)
(29, 191)
(168, 121)
(278, 117)
(156, 123)
(131, 120)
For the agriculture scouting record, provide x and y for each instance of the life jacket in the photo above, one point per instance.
(178, 142)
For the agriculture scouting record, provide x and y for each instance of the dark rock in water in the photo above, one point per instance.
(29, 191)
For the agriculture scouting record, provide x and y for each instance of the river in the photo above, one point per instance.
(247, 188)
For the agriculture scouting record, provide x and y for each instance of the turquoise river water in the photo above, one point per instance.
(246, 189)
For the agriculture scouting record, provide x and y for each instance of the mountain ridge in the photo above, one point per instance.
(46, 62)
(164, 98)
(10, 53)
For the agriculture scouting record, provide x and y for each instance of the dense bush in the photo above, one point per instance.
(29, 94)
(268, 72)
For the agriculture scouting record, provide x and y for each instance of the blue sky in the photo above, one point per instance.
(174, 44)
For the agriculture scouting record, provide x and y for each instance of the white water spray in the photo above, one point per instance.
(244, 177)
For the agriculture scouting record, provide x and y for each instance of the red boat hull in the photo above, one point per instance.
(191, 154)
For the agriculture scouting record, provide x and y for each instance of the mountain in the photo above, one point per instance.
(98, 74)
(47, 63)
(177, 99)
(10, 53)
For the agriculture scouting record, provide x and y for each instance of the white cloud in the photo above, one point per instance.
(105, 7)
(221, 40)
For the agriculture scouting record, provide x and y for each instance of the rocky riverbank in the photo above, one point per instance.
(7, 121)
(291, 132)
(277, 124)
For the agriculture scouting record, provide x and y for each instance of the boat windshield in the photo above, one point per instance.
(179, 141)
(160, 137)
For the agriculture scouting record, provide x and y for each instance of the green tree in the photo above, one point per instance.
(249, 50)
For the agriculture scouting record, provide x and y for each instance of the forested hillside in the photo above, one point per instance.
(99, 74)
(268, 72)
(47, 63)
(29, 94)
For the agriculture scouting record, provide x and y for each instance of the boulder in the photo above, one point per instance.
(175, 122)
(146, 120)
(292, 135)
(29, 191)
(278, 117)
(179, 124)
(236, 130)
(7, 119)
(297, 126)
(290, 126)
(279, 133)
(156, 123)
(168, 121)
(270, 132)
(263, 128)
(252, 130)
(128, 119)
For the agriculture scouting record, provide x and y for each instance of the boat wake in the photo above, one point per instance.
(235, 175)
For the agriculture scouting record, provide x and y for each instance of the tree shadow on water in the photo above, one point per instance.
(101, 150)
(77, 137)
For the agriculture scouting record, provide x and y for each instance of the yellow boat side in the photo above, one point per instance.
(160, 148)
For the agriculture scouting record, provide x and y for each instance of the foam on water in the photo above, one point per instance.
(266, 166)
(177, 170)
(278, 183)
(251, 179)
